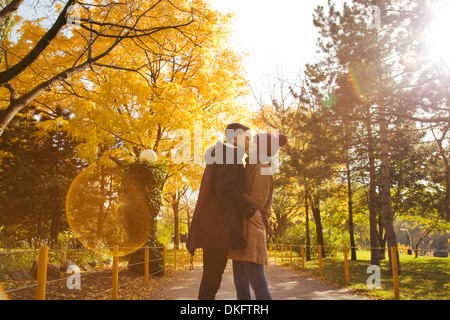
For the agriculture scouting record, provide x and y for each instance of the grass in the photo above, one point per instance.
(424, 278)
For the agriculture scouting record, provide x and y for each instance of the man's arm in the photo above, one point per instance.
(227, 189)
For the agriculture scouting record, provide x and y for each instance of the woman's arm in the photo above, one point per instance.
(261, 186)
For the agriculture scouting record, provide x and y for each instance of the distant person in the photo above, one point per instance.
(217, 221)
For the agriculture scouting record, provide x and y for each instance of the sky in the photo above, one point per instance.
(278, 37)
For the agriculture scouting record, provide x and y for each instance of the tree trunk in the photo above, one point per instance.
(188, 217)
(386, 201)
(381, 237)
(447, 191)
(55, 223)
(442, 152)
(176, 231)
(308, 238)
(374, 252)
(423, 236)
(350, 212)
(317, 221)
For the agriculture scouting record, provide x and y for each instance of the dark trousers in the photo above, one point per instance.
(214, 263)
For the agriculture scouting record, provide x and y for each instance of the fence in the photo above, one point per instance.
(41, 284)
(341, 269)
(349, 273)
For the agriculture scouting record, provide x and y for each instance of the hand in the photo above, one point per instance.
(257, 219)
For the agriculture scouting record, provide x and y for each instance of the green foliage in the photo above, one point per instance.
(164, 231)
(35, 176)
(149, 178)
(67, 248)
(295, 235)
(334, 237)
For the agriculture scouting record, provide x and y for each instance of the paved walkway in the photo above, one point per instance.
(284, 284)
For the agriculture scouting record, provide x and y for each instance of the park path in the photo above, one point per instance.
(284, 284)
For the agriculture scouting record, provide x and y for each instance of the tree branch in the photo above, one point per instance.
(15, 70)
(18, 103)
(144, 33)
(12, 90)
(9, 9)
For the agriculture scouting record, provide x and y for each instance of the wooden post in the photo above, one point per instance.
(270, 249)
(395, 272)
(320, 260)
(182, 256)
(347, 277)
(303, 256)
(42, 273)
(115, 275)
(282, 255)
(146, 269)
(290, 254)
(164, 261)
(275, 251)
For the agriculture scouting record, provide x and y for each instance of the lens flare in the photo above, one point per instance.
(409, 59)
(353, 79)
(105, 208)
(438, 33)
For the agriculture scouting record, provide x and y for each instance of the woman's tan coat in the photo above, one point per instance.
(258, 191)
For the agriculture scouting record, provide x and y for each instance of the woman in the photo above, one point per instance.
(248, 263)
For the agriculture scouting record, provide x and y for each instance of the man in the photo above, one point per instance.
(217, 222)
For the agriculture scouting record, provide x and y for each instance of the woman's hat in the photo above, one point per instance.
(269, 144)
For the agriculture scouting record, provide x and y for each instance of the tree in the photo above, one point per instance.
(104, 27)
(286, 203)
(313, 157)
(173, 197)
(146, 93)
(142, 74)
(365, 71)
(279, 113)
(35, 176)
(443, 152)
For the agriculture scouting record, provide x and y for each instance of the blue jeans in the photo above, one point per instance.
(248, 273)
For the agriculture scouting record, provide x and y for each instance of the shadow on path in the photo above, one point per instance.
(284, 284)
